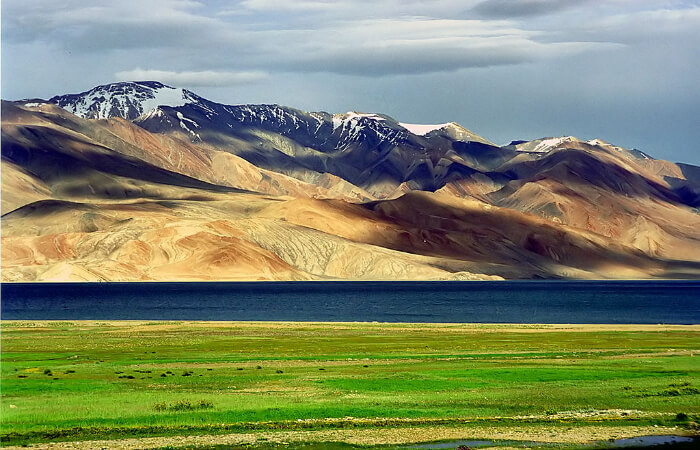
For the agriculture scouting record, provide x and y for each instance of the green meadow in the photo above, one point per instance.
(89, 380)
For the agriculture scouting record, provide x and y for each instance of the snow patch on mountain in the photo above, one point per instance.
(597, 142)
(351, 119)
(153, 113)
(184, 126)
(548, 144)
(421, 129)
(127, 100)
(356, 115)
(165, 96)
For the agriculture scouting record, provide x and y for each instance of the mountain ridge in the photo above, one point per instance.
(159, 189)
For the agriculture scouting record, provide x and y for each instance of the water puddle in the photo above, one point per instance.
(652, 441)
(683, 442)
(470, 444)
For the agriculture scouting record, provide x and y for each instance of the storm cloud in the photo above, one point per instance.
(523, 8)
(493, 65)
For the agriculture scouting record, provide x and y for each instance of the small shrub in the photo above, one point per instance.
(259, 367)
(279, 371)
(681, 417)
(69, 371)
(675, 392)
(670, 392)
(183, 405)
(48, 372)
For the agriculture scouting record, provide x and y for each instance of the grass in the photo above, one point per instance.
(77, 380)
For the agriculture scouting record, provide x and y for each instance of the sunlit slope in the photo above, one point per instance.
(109, 200)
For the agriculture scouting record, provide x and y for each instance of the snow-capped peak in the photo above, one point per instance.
(351, 119)
(597, 142)
(422, 130)
(633, 153)
(127, 100)
(547, 144)
(350, 115)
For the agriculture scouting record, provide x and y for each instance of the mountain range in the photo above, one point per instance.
(139, 181)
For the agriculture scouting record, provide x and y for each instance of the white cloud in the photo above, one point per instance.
(201, 78)
(108, 25)
(285, 5)
(408, 45)
(361, 37)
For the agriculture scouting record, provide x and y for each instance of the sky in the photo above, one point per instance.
(626, 71)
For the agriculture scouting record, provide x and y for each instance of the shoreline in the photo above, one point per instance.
(452, 326)
(545, 433)
(355, 280)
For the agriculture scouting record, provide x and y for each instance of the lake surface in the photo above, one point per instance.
(671, 302)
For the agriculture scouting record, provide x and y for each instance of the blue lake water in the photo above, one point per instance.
(670, 302)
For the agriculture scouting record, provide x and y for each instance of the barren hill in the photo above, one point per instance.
(140, 181)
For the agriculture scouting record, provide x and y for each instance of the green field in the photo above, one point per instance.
(107, 380)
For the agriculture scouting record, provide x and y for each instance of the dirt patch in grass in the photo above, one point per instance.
(548, 433)
(138, 326)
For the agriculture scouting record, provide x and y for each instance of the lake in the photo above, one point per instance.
(615, 302)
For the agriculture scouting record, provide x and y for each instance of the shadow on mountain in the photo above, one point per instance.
(53, 156)
(450, 228)
(579, 169)
(483, 155)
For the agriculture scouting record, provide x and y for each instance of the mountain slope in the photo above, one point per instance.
(371, 151)
(608, 190)
(141, 181)
(126, 100)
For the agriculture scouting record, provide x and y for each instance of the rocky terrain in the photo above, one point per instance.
(141, 181)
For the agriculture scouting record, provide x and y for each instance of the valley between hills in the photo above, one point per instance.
(144, 182)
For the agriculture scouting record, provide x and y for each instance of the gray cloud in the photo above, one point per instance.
(522, 68)
(192, 79)
(429, 57)
(384, 45)
(640, 27)
(502, 9)
(414, 45)
(106, 25)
